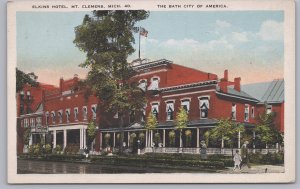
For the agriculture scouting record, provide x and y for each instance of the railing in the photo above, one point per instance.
(210, 151)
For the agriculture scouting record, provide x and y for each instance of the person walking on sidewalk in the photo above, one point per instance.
(237, 160)
(245, 155)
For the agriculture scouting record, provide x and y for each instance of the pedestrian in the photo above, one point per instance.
(245, 155)
(237, 160)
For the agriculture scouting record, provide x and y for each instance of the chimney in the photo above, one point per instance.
(61, 81)
(223, 86)
(237, 84)
(225, 75)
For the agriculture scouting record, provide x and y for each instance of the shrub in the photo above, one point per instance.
(172, 138)
(48, 148)
(58, 148)
(188, 137)
(71, 149)
(37, 149)
(31, 149)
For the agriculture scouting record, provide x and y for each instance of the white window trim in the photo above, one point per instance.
(199, 98)
(61, 117)
(53, 115)
(94, 113)
(68, 115)
(184, 100)
(252, 112)
(76, 115)
(235, 111)
(270, 107)
(247, 106)
(85, 116)
(170, 102)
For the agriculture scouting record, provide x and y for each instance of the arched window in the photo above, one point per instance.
(143, 84)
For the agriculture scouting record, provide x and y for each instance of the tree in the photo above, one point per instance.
(188, 138)
(91, 133)
(181, 122)
(226, 130)
(172, 138)
(23, 78)
(151, 124)
(107, 39)
(266, 131)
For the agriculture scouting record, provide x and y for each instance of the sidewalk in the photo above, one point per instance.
(255, 169)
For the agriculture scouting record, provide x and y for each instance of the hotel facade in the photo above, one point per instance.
(61, 114)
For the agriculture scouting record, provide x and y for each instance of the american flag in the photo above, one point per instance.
(143, 32)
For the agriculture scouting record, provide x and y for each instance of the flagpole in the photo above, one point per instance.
(140, 42)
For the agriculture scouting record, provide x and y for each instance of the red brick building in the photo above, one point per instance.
(66, 112)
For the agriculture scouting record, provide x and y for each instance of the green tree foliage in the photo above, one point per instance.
(181, 122)
(172, 138)
(157, 138)
(23, 78)
(107, 39)
(226, 130)
(266, 131)
(188, 137)
(151, 122)
(91, 132)
(26, 136)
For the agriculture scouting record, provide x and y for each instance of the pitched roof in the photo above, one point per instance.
(275, 92)
(238, 94)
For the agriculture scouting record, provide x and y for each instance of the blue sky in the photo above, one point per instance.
(248, 44)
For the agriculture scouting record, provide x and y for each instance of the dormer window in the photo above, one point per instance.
(84, 111)
(170, 110)
(185, 103)
(154, 84)
(68, 115)
(94, 110)
(204, 106)
(60, 114)
(155, 109)
(76, 114)
(143, 84)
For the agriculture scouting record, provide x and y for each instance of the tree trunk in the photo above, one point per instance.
(121, 148)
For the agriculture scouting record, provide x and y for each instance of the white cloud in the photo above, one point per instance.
(240, 37)
(271, 30)
(222, 24)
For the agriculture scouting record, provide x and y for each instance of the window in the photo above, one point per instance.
(68, 115)
(252, 112)
(22, 95)
(143, 118)
(47, 118)
(143, 84)
(94, 110)
(32, 122)
(154, 83)
(269, 109)
(21, 108)
(246, 112)
(185, 103)
(53, 117)
(38, 121)
(170, 110)
(76, 114)
(60, 114)
(204, 106)
(84, 110)
(25, 123)
(233, 111)
(155, 110)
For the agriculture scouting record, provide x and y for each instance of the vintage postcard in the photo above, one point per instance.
(151, 91)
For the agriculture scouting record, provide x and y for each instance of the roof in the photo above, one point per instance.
(238, 94)
(275, 92)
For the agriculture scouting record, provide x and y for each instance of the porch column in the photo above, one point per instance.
(198, 145)
(146, 139)
(128, 138)
(65, 138)
(222, 142)
(239, 139)
(54, 138)
(164, 138)
(80, 138)
(100, 138)
(84, 138)
(114, 139)
(151, 138)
